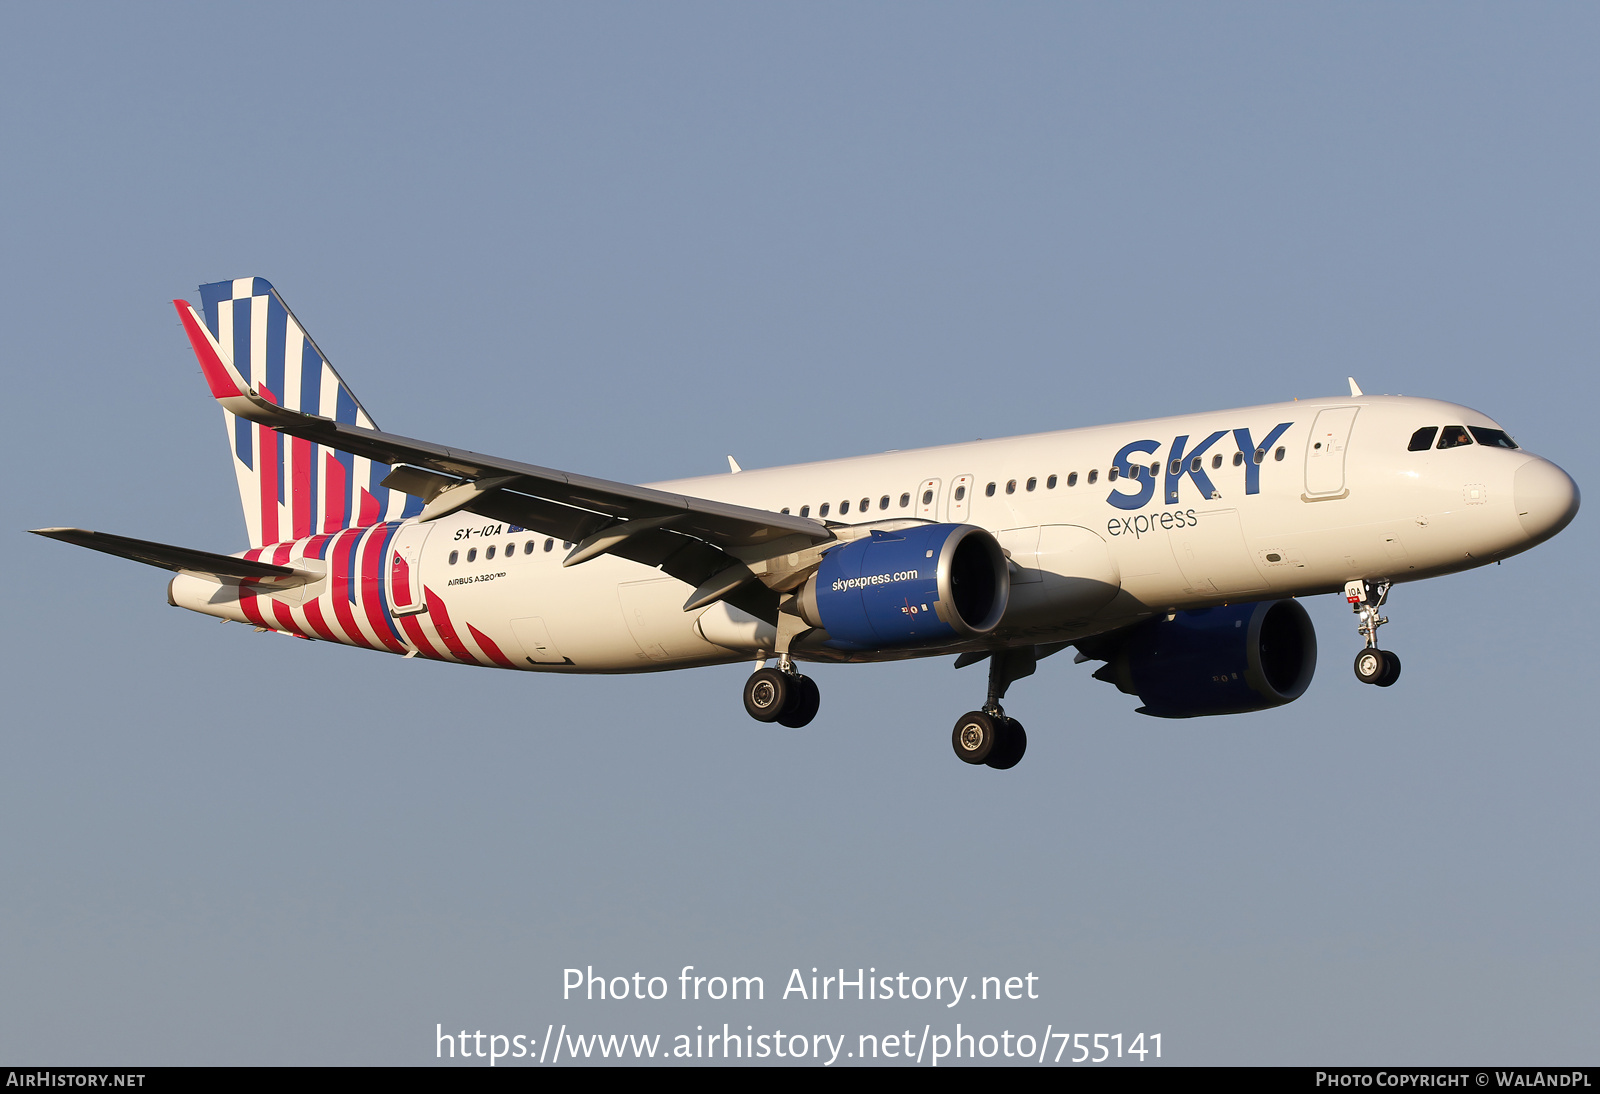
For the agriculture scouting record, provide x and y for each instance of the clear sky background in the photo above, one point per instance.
(629, 239)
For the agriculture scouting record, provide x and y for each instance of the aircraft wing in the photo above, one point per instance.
(694, 539)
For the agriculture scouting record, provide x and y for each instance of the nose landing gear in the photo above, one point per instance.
(1373, 666)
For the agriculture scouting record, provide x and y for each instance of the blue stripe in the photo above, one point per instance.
(310, 379)
(244, 442)
(414, 506)
(260, 286)
(277, 330)
(210, 295)
(241, 340)
(376, 474)
(345, 407)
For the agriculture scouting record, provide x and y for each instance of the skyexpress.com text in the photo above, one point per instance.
(843, 583)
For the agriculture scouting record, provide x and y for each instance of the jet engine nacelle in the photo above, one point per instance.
(1227, 660)
(925, 585)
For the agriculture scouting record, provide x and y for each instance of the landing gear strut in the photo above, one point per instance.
(1373, 666)
(781, 694)
(989, 736)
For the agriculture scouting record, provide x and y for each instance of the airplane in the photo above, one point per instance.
(1172, 550)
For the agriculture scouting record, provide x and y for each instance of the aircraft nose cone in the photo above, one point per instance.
(1546, 498)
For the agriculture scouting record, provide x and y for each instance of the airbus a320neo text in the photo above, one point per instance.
(1172, 550)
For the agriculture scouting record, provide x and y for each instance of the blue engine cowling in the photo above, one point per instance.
(1227, 660)
(926, 585)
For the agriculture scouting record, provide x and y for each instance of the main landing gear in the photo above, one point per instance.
(989, 736)
(1373, 666)
(781, 695)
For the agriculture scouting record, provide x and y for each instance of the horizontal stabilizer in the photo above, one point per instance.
(167, 557)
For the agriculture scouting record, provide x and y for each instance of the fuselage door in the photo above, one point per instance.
(405, 569)
(1325, 451)
(960, 499)
(928, 500)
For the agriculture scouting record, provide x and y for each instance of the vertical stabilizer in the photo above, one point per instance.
(292, 488)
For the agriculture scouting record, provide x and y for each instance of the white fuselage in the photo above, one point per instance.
(1337, 496)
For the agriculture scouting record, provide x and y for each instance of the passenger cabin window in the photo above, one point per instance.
(1422, 439)
(988, 491)
(927, 497)
(822, 512)
(883, 502)
(905, 500)
(453, 556)
(472, 555)
(1279, 453)
(1135, 471)
(844, 507)
(1260, 454)
(1111, 475)
(866, 503)
(1094, 476)
(1032, 483)
(1454, 436)
(961, 492)
(805, 510)
(1492, 438)
(1072, 478)
(784, 510)
(549, 544)
(488, 554)
(1238, 459)
(1011, 487)
(1050, 483)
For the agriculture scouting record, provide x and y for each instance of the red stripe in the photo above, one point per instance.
(267, 476)
(318, 624)
(419, 637)
(334, 492)
(285, 617)
(282, 610)
(300, 486)
(400, 585)
(487, 646)
(222, 385)
(372, 589)
(442, 624)
(339, 588)
(247, 595)
(369, 509)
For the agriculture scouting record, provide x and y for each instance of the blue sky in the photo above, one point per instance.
(630, 239)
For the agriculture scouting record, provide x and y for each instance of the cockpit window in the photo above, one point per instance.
(1453, 436)
(1422, 439)
(1492, 438)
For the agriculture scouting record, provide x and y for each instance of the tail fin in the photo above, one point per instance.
(292, 488)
